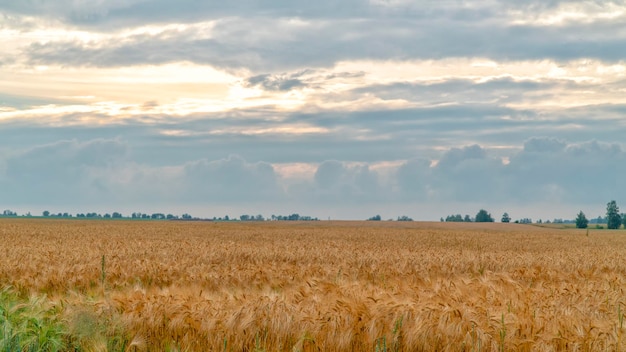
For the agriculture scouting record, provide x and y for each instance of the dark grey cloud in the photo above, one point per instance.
(543, 171)
(543, 145)
(274, 44)
(474, 175)
(103, 172)
(340, 183)
(276, 82)
(577, 171)
(137, 12)
(414, 178)
(360, 136)
(230, 179)
(65, 170)
(96, 172)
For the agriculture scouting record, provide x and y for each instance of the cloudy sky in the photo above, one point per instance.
(341, 109)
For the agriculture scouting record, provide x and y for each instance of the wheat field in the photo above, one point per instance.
(321, 286)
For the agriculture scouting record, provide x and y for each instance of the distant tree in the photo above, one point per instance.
(467, 218)
(483, 216)
(598, 220)
(614, 220)
(624, 220)
(374, 218)
(454, 218)
(46, 213)
(116, 215)
(259, 217)
(506, 218)
(581, 221)
(107, 216)
(404, 218)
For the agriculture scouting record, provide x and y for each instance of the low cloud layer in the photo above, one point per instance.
(96, 172)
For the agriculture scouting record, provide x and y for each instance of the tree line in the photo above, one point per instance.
(613, 219)
(162, 216)
(481, 216)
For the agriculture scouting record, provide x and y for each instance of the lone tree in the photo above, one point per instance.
(483, 216)
(613, 218)
(506, 217)
(581, 221)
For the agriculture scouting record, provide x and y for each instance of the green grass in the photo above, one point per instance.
(30, 325)
(37, 324)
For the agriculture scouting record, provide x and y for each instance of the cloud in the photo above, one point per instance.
(101, 172)
(97, 173)
(61, 171)
(231, 179)
(137, 12)
(340, 183)
(499, 90)
(540, 145)
(351, 136)
(469, 174)
(275, 82)
(414, 179)
(134, 12)
(544, 170)
(274, 43)
(568, 172)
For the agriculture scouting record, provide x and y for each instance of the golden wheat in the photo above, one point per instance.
(327, 286)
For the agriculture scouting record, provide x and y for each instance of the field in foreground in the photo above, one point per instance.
(324, 286)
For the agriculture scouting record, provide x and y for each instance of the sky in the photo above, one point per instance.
(333, 109)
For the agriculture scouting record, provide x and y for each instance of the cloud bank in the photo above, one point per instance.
(545, 170)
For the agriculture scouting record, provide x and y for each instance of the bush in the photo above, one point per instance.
(483, 216)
